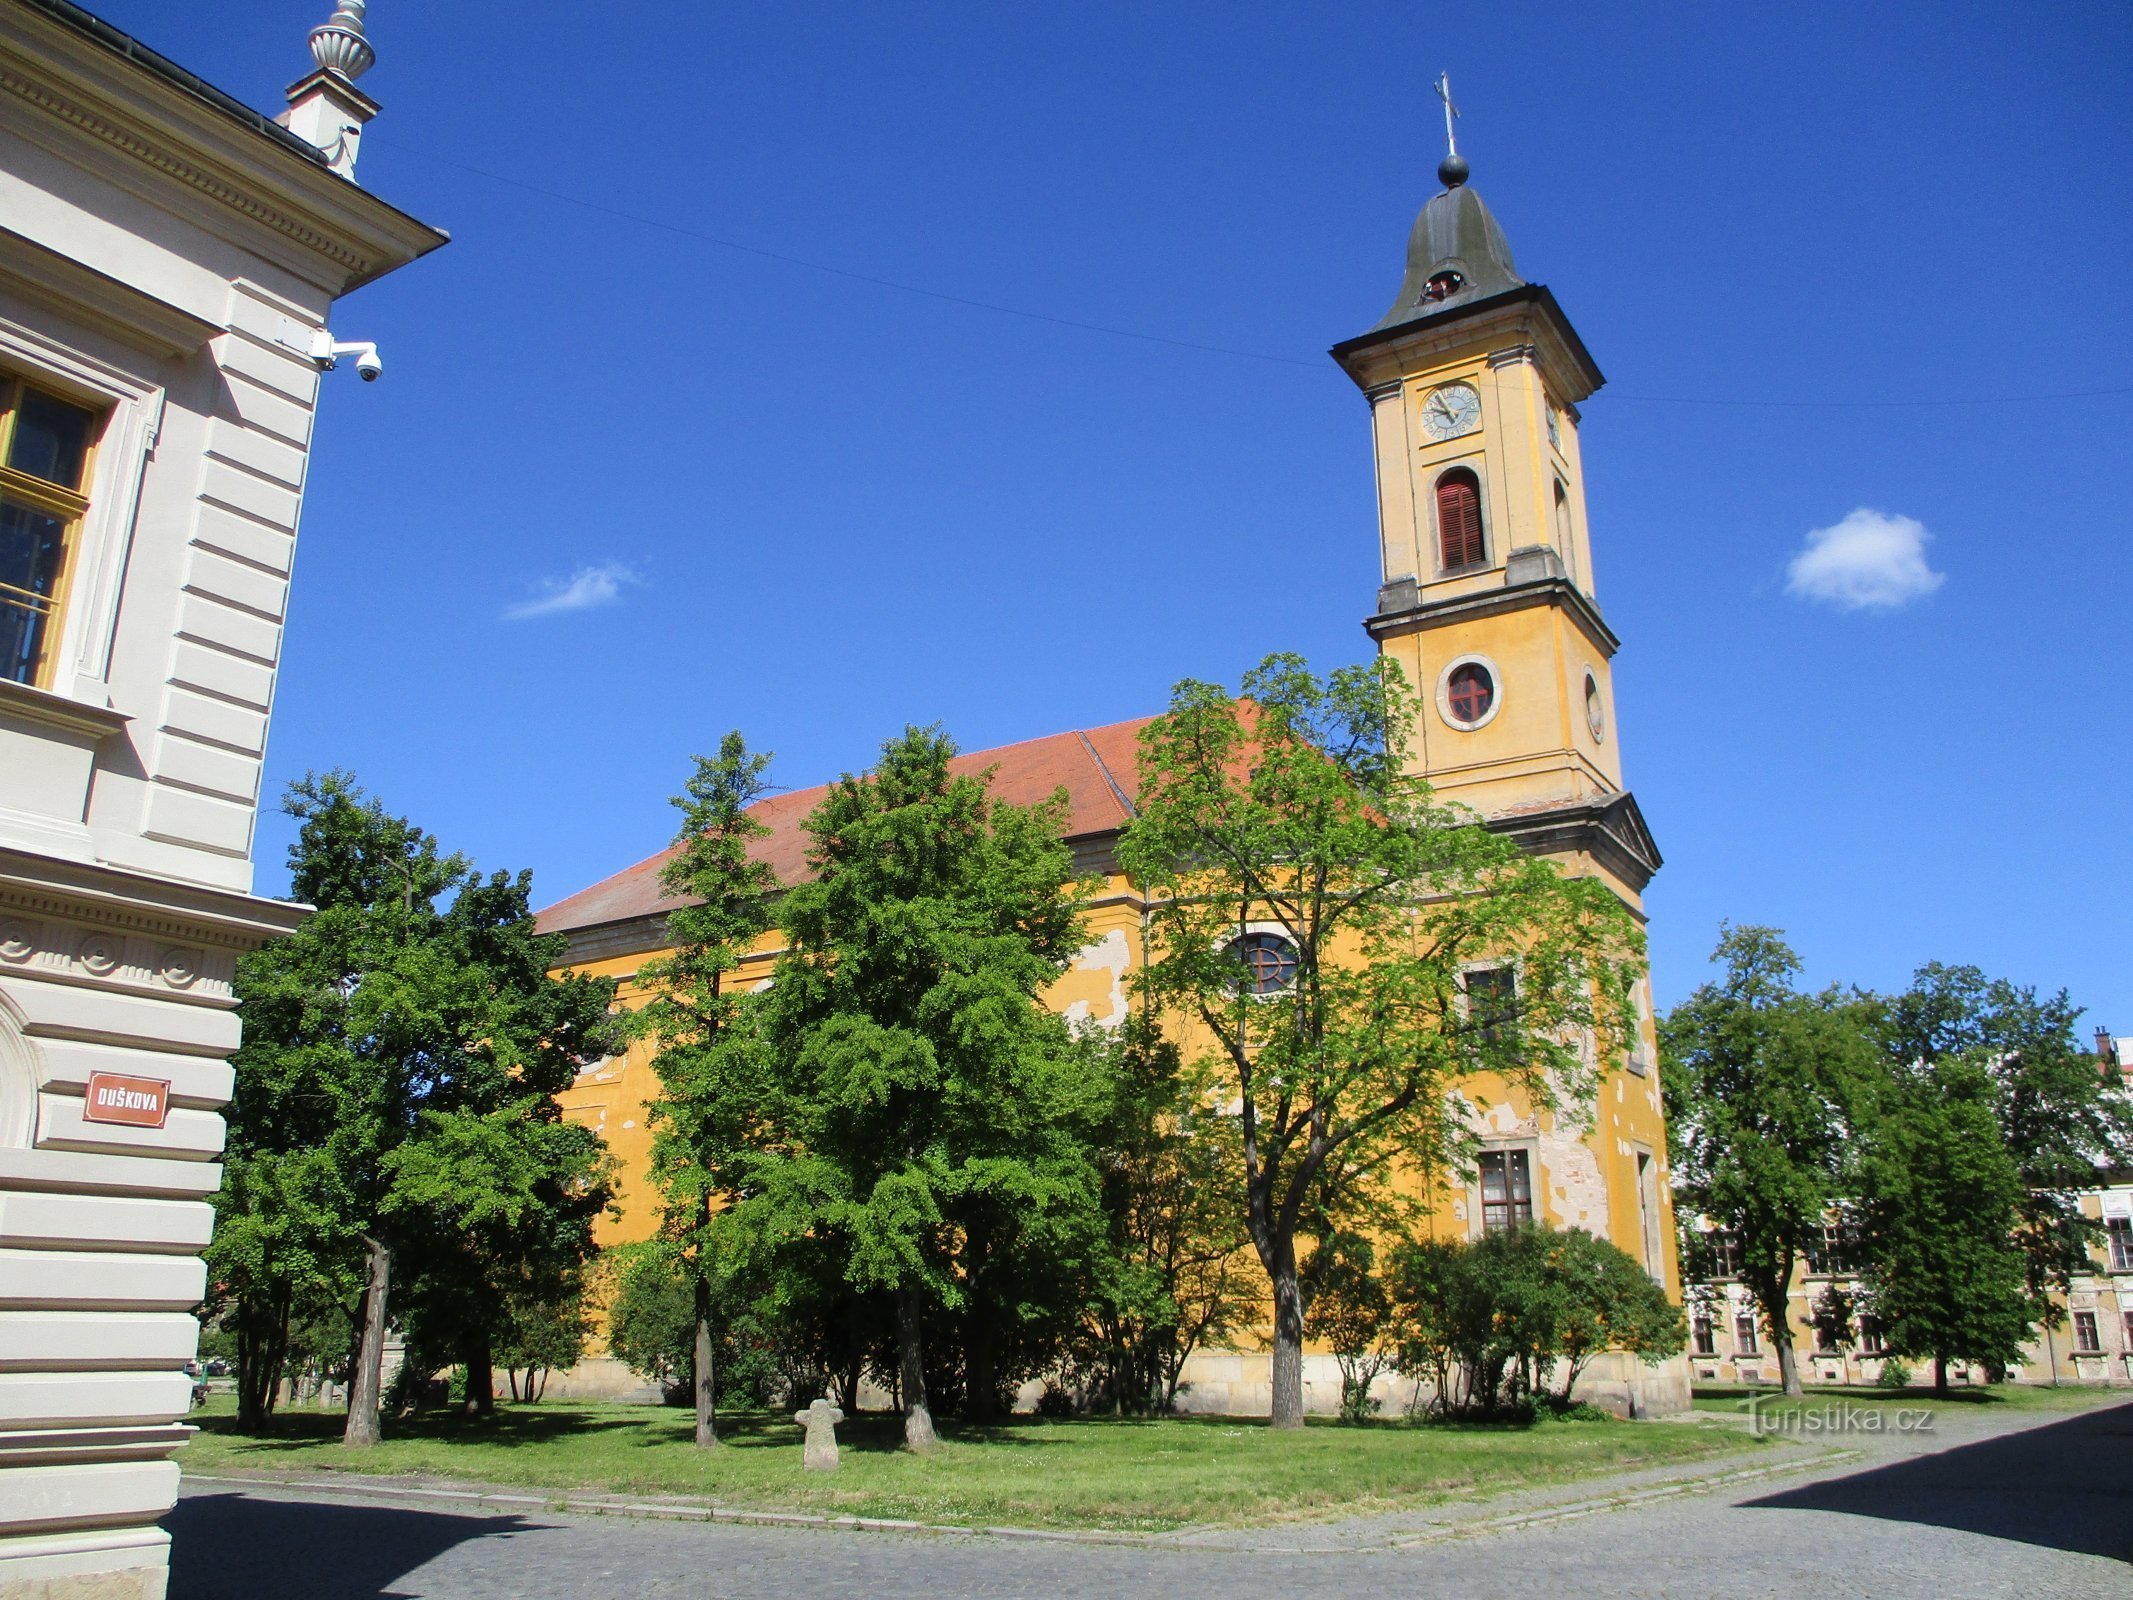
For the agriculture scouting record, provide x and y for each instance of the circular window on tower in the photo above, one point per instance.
(1269, 962)
(1468, 694)
(1595, 711)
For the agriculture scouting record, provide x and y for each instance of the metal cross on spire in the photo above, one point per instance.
(1443, 86)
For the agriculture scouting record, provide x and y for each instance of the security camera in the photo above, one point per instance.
(327, 352)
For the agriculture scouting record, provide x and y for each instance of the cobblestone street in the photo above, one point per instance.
(1987, 1506)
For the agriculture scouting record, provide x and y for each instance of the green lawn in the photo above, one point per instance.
(1127, 1474)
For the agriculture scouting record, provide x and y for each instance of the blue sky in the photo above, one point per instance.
(815, 507)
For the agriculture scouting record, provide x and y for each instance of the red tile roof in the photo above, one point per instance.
(1098, 768)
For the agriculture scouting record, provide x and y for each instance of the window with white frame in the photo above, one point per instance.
(2118, 1237)
(1744, 1342)
(1506, 1190)
(2088, 1340)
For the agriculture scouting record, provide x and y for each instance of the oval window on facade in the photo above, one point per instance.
(1269, 962)
(1595, 711)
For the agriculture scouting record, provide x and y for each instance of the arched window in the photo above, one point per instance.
(1459, 542)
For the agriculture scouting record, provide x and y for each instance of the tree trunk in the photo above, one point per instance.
(262, 1349)
(980, 1376)
(362, 1430)
(1288, 1397)
(706, 1385)
(918, 1418)
(1940, 1375)
(480, 1398)
(1788, 1359)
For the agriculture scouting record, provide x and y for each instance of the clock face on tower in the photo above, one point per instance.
(1451, 410)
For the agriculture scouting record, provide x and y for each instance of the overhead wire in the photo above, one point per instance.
(1000, 308)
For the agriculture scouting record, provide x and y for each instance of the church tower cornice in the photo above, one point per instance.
(1526, 313)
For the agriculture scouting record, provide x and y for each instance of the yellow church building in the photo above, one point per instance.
(1473, 380)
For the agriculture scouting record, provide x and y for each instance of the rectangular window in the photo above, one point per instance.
(1718, 1254)
(1829, 1334)
(2118, 1231)
(1506, 1190)
(2087, 1341)
(1492, 1003)
(1706, 1337)
(1870, 1337)
(1835, 1253)
(1648, 1213)
(45, 445)
(1744, 1336)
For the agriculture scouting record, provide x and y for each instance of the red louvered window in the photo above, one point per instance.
(1459, 520)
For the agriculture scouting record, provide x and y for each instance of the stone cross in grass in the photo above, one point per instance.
(820, 1451)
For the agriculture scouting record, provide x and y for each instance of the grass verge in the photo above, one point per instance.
(1731, 1399)
(1147, 1475)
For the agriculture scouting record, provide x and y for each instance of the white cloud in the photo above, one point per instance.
(1871, 561)
(581, 591)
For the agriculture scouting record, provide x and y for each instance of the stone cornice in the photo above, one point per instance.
(28, 704)
(1525, 316)
(85, 87)
(1560, 592)
(45, 886)
(1610, 829)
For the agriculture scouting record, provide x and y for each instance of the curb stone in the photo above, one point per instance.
(678, 1511)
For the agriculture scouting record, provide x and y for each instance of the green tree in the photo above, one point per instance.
(2060, 1120)
(545, 1329)
(707, 1122)
(395, 1088)
(1940, 1200)
(1314, 915)
(935, 1115)
(651, 1322)
(1169, 1279)
(1760, 1083)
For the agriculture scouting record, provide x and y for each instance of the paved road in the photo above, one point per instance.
(2005, 1506)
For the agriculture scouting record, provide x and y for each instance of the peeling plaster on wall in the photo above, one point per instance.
(1577, 1191)
(1573, 1189)
(1109, 954)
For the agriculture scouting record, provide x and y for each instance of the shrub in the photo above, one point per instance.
(1349, 1308)
(1492, 1321)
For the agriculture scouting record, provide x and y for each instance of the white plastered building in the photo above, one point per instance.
(167, 259)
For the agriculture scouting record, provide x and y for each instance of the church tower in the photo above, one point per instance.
(1487, 600)
(1487, 596)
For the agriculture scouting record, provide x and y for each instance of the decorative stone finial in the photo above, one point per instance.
(338, 45)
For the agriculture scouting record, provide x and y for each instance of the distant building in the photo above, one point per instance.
(168, 258)
(2092, 1344)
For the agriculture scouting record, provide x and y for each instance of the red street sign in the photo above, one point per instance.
(137, 1102)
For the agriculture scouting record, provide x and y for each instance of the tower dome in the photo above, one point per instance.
(1456, 255)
